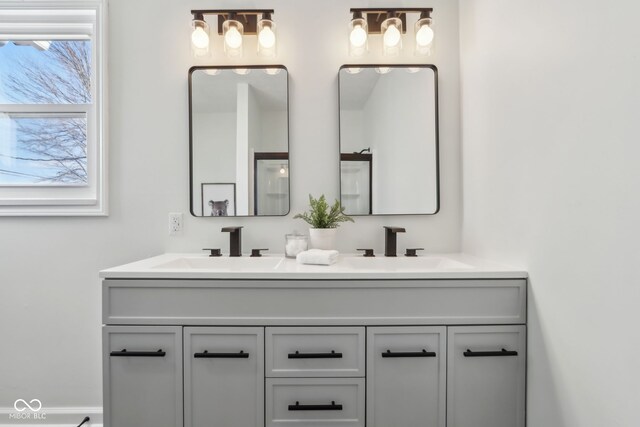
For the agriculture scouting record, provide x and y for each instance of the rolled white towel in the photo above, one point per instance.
(317, 257)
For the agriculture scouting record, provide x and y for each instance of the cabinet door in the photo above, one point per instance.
(224, 377)
(486, 376)
(142, 376)
(406, 376)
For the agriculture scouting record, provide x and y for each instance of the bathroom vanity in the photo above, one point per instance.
(431, 341)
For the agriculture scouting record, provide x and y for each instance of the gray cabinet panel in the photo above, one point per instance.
(142, 387)
(486, 388)
(344, 396)
(224, 387)
(282, 344)
(403, 387)
(314, 302)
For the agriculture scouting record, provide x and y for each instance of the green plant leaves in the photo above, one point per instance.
(321, 215)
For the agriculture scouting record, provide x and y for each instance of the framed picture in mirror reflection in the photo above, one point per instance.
(218, 199)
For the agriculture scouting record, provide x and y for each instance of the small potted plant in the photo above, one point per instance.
(324, 221)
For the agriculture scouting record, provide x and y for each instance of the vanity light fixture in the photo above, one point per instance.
(357, 35)
(391, 29)
(424, 33)
(391, 23)
(233, 26)
(232, 31)
(199, 36)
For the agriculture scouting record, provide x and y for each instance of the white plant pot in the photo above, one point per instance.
(323, 238)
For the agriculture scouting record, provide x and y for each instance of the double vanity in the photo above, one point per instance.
(429, 341)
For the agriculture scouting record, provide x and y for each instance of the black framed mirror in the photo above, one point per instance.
(239, 141)
(389, 139)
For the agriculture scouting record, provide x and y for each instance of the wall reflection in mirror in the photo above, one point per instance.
(239, 136)
(389, 139)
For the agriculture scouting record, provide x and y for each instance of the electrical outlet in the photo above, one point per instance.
(175, 224)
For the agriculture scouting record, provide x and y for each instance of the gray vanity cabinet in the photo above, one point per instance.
(406, 376)
(224, 376)
(486, 376)
(142, 376)
(273, 352)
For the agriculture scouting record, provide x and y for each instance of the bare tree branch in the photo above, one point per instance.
(63, 76)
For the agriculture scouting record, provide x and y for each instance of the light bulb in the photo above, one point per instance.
(392, 36)
(200, 38)
(282, 170)
(358, 36)
(267, 38)
(424, 36)
(233, 38)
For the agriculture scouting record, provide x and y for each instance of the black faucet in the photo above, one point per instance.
(390, 241)
(235, 240)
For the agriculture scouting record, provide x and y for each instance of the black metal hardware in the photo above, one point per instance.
(412, 252)
(125, 353)
(501, 353)
(235, 240)
(332, 355)
(390, 240)
(367, 252)
(84, 421)
(332, 407)
(423, 353)
(256, 252)
(206, 355)
(214, 252)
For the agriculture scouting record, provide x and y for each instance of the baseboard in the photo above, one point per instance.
(51, 417)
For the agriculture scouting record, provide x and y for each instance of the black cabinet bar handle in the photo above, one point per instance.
(423, 353)
(299, 407)
(332, 355)
(125, 353)
(206, 355)
(501, 353)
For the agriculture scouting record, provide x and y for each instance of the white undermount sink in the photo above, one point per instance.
(419, 263)
(223, 263)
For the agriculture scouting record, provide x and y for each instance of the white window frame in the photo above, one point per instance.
(69, 20)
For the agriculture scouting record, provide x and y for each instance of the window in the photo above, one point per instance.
(52, 128)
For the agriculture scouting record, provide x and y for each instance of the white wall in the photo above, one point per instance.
(213, 160)
(551, 97)
(49, 290)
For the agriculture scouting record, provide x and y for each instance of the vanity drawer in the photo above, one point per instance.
(315, 352)
(315, 402)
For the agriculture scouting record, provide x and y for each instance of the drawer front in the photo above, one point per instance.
(224, 377)
(406, 376)
(486, 376)
(315, 352)
(315, 402)
(142, 376)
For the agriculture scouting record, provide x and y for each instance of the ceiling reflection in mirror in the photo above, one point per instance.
(239, 139)
(389, 139)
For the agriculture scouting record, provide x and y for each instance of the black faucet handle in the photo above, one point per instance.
(231, 229)
(367, 252)
(395, 229)
(412, 252)
(256, 252)
(214, 252)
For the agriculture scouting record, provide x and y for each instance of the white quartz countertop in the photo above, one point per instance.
(354, 267)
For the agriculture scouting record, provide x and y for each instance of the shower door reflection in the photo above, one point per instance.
(271, 184)
(355, 174)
